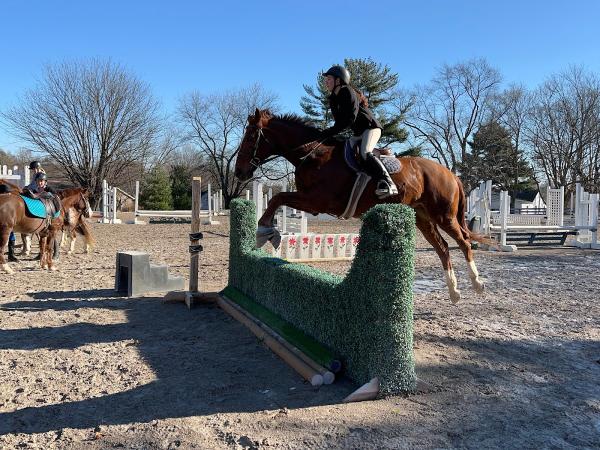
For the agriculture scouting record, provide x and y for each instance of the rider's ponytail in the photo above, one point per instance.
(362, 100)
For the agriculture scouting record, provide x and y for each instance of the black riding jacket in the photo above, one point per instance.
(348, 113)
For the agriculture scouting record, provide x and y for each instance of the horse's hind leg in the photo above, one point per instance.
(4, 233)
(454, 230)
(436, 240)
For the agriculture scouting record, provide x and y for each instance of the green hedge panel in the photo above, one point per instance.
(365, 319)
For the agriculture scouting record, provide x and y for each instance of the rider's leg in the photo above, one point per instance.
(12, 239)
(385, 185)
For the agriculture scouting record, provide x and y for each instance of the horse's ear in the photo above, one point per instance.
(257, 115)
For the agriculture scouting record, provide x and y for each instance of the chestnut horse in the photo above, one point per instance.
(324, 183)
(14, 217)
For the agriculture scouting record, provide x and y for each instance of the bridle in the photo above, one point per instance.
(256, 162)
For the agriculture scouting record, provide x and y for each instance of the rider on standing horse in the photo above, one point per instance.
(350, 110)
(35, 167)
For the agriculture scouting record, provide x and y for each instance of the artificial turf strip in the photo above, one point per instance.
(311, 348)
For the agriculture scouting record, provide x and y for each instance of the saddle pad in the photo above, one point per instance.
(391, 163)
(36, 208)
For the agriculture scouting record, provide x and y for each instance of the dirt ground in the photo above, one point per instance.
(81, 367)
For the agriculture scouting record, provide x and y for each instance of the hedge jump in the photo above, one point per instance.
(363, 320)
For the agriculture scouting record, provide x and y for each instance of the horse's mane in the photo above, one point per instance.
(64, 193)
(295, 119)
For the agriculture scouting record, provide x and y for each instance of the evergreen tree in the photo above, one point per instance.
(494, 157)
(376, 82)
(181, 190)
(156, 191)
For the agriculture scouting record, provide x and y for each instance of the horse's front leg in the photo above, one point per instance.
(43, 251)
(3, 241)
(266, 231)
(26, 240)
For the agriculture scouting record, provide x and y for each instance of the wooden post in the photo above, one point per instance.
(194, 263)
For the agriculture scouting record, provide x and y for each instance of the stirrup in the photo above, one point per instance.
(385, 190)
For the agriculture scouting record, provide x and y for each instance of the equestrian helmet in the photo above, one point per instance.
(40, 176)
(35, 165)
(339, 72)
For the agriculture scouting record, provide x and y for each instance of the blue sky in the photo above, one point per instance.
(177, 46)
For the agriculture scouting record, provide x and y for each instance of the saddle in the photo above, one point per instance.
(384, 154)
(354, 161)
(43, 206)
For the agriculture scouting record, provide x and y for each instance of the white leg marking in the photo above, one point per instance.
(475, 281)
(71, 246)
(452, 286)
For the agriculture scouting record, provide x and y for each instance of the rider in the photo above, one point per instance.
(35, 167)
(350, 110)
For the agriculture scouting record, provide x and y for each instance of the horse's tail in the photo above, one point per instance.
(461, 217)
(84, 229)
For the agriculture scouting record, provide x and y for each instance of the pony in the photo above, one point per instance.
(324, 183)
(70, 233)
(14, 217)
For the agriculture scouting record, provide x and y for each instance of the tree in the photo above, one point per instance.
(156, 190)
(181, 182)
(215, 124)
(494, 157)
(564, 129)
(445, 113)
(93, 119)
(378, 83)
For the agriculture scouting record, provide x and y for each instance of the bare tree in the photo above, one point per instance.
(215, 124)
(445, 112)
(93, 119)
(564, 131)
(512, 110)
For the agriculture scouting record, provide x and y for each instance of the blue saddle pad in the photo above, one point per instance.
(36, 208)
(350, 156)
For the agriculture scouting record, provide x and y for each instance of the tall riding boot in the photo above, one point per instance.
(385, 185)
(11, 252)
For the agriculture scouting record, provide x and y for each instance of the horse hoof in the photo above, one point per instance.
(276, 240)
(264, 234)
(53, 269)
(7, 268)
(455, 297)
(479, 287)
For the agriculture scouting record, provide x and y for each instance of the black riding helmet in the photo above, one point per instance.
(339, 72)
(35, 165)
(40, 176)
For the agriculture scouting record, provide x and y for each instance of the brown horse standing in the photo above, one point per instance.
(324, 182)
(14, 217)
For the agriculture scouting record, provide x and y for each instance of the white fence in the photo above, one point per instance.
(503, 222)
(20, 177)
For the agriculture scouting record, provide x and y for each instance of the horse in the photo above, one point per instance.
(14, 217)
(82, 228)
(324, 182)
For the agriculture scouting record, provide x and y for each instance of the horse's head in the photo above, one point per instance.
(255, 147)
(75, 203)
